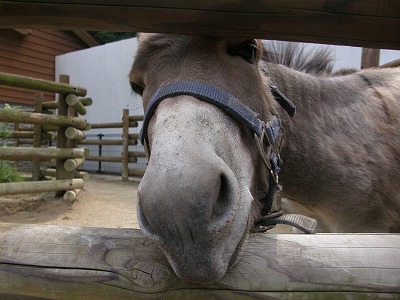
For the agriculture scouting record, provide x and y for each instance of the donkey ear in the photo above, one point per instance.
(141, 36)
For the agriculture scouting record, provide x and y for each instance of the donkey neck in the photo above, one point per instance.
(305, 147)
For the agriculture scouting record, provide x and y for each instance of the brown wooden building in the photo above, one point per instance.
(32, 53)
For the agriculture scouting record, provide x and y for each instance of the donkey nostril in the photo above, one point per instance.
(224, 199)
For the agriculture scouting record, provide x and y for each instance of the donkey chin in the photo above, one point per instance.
(200, 253)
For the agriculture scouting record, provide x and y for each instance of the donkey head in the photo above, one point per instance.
(200, 193)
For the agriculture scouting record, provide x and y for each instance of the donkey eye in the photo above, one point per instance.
(247, 50)
(137, 88)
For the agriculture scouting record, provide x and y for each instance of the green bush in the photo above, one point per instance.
(8, 173)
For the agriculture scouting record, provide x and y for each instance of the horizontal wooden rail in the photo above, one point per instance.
(45, 261)
(50, 105)
(41, 119)
(28, 134)
(110, 159)
(136, 172)
(22, 153)
(136, 118)
(106, 142)
(40, 186)
(112, 125)
(39, 84)
(71, 164)
(392, 64)
(364, 23)
(73, 133)
(71, 195)
(52, 173)
(136, 154)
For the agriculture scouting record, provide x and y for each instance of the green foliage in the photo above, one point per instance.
(5, 129)
(104, 37)
(7, 172)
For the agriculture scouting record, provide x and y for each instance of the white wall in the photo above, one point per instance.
(350, 57)
(103, 71)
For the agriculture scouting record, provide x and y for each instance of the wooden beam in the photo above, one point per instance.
(25, 153)
(370, 58)
(364, 23)
(392, 64)
(46, 261)
(15, 116)
(39, 84)
(86, 38)
(24, 31)
(13, 188)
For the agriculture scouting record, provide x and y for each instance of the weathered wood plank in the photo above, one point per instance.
(85, 263)
(14, 116)
(22, 153)
(38, 84)
(26, 187)
(366, 23)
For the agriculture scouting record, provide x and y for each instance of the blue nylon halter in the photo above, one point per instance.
(218, 97)
(239, 111)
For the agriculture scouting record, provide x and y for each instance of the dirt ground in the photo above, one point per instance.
(106, 201)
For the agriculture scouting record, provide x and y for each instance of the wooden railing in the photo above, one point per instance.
(67, 155)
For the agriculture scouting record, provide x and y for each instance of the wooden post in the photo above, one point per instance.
(54, 262)
(37, 137)
(370, 58)
(62, 141)
(16, 129)
(125, 145)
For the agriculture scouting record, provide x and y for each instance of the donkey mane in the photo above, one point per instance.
(313, 60)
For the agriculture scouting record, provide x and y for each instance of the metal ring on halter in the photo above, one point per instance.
(264, 153)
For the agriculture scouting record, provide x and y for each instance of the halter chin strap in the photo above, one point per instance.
(265, 133)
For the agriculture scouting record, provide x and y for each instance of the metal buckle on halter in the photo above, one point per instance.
(265, 154)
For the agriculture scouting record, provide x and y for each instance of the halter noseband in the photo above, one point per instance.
(265, 133)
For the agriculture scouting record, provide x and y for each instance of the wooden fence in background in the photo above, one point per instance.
(25, 136)
(67, 155)
(126, 140)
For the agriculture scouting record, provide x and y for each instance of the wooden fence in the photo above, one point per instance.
(126, 140)
(66, 154)
(56, 262)
(23, 135)
(39, 261)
